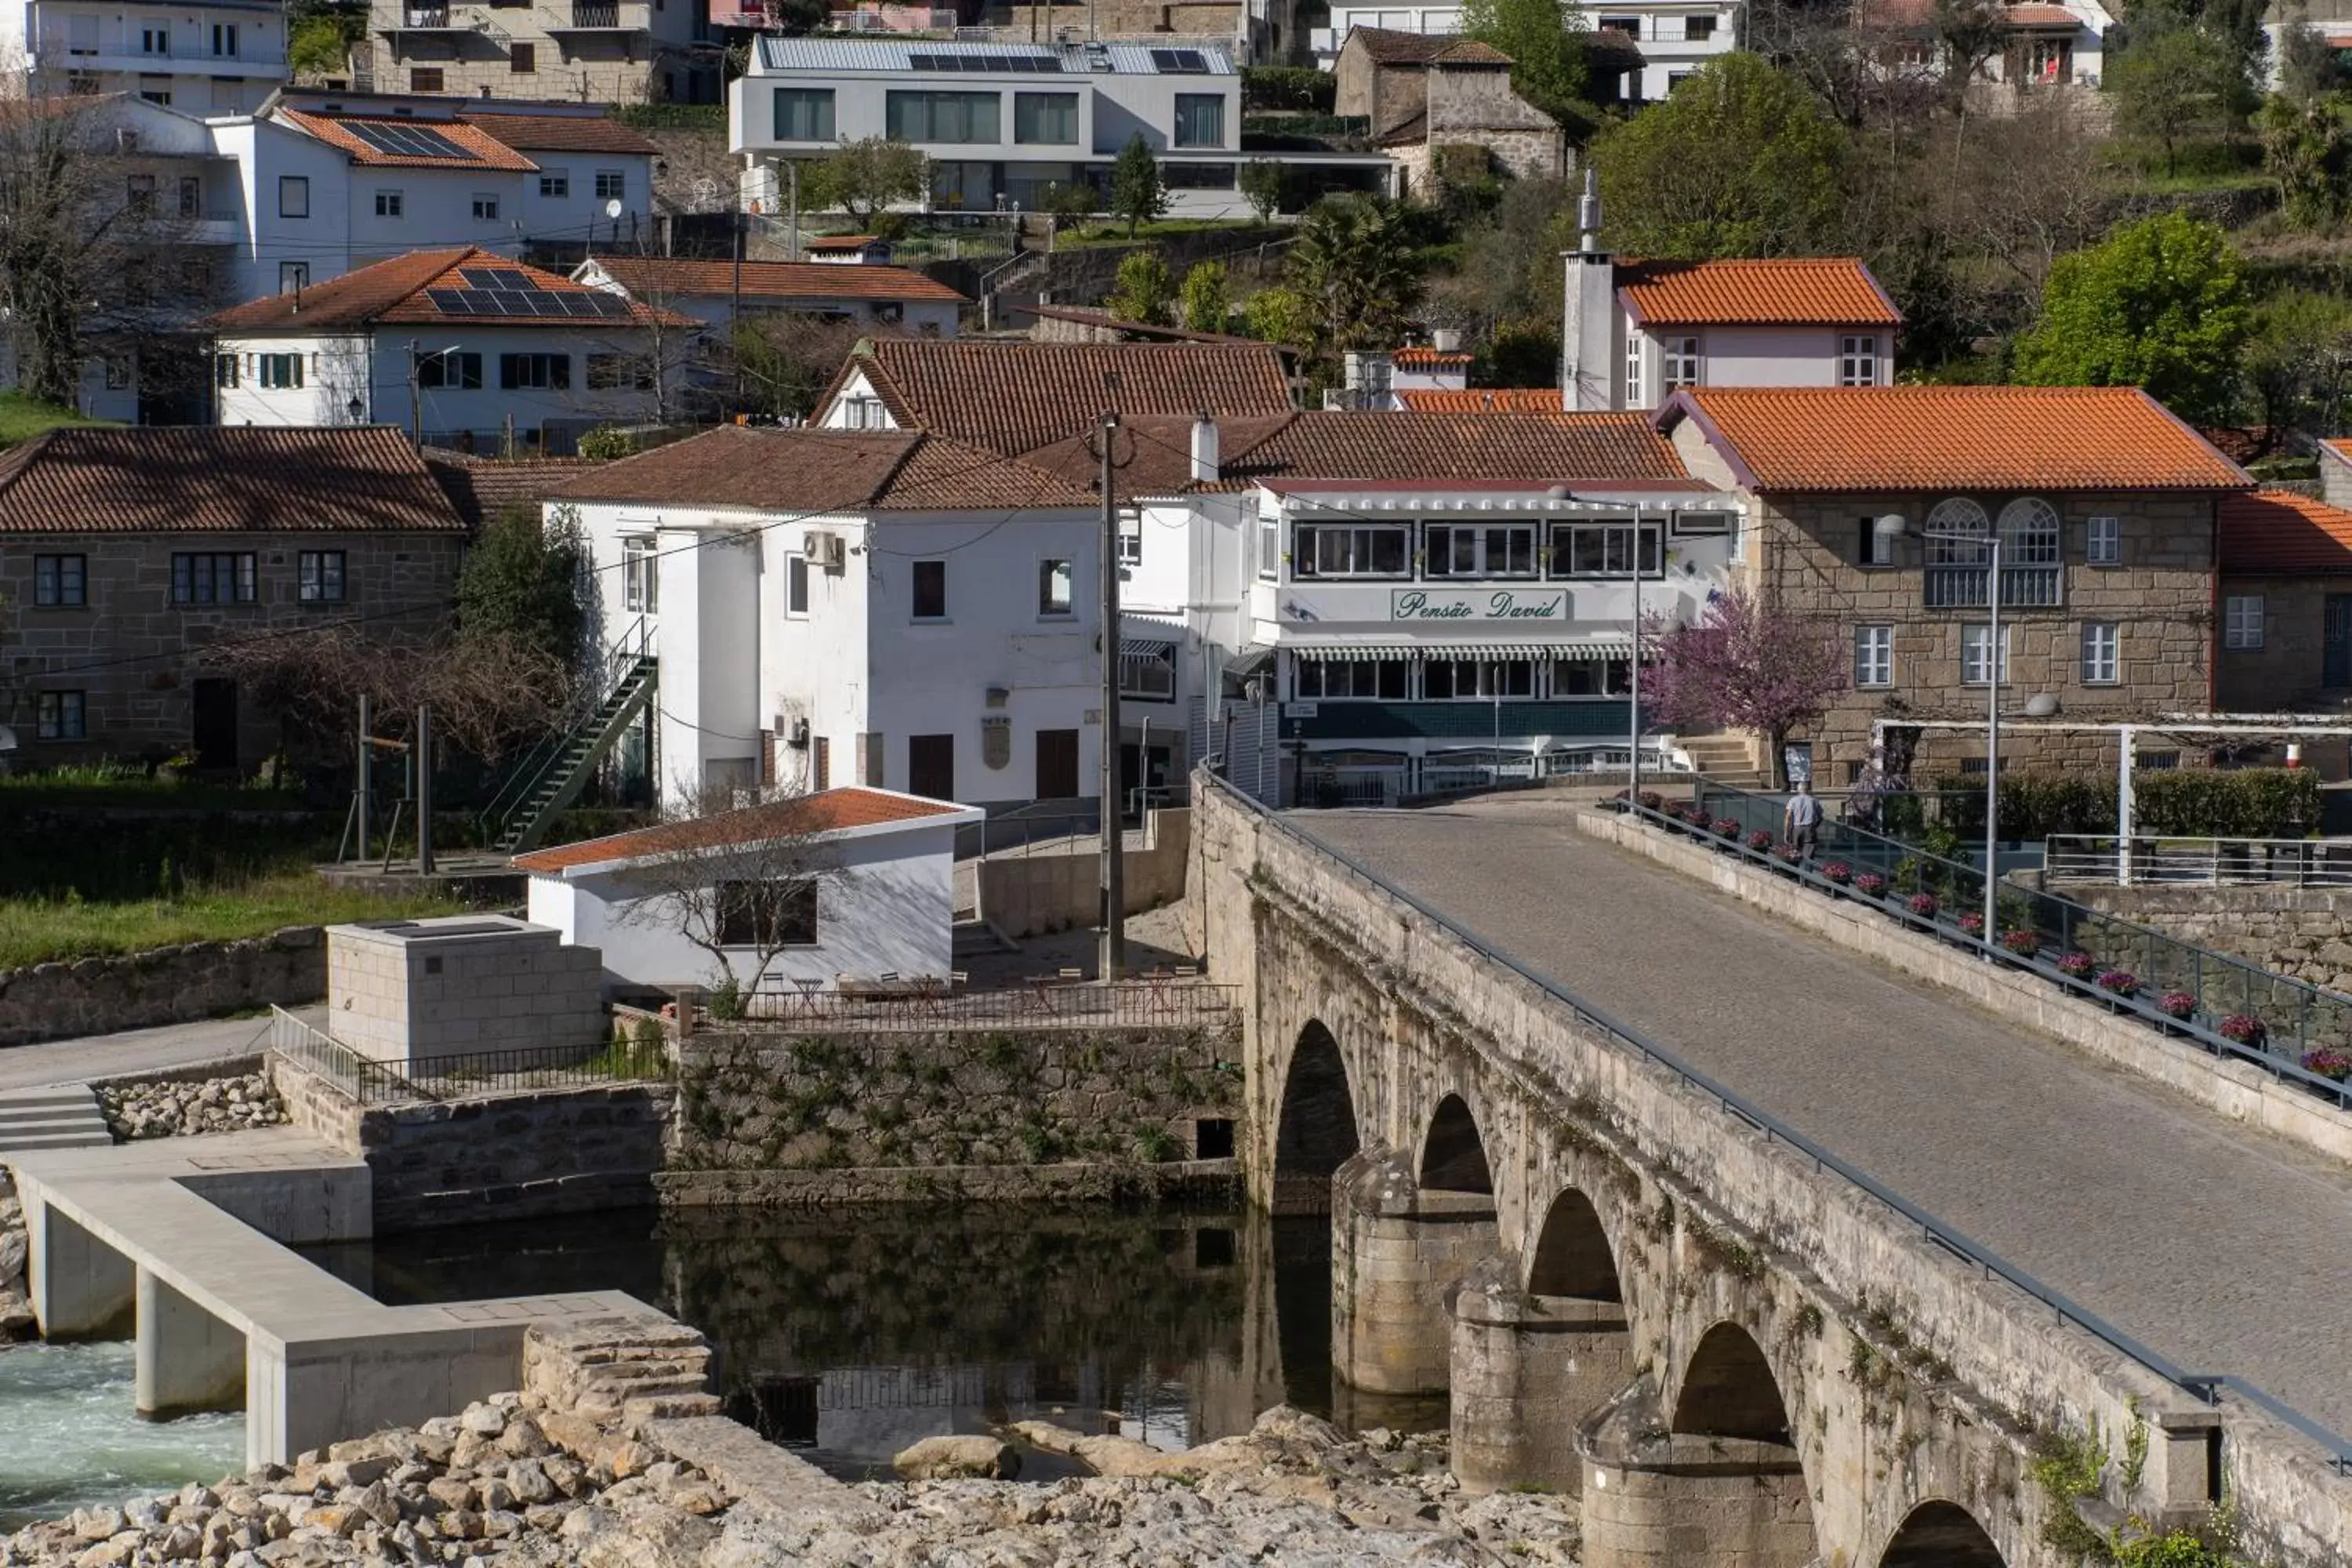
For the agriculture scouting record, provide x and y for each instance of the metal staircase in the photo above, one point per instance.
(550, 777)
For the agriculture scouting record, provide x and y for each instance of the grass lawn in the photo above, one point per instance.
(22, 417)
(39, 930)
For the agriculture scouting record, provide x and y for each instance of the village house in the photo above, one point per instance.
(1638, 49)
(2282, 638)
(201, 56)
(593, 51)
(125, 554)
(893, 298)
(1444, 108)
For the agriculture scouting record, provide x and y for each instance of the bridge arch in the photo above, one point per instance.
(1572, 1255)
(1315, 1132)
(1941, 1535)
(1452, 1155)
(1728, 1390)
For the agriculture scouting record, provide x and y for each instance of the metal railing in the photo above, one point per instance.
(619, 666)
(2021, 587)
(2209, 862)
(2205, 1386)
(322, 1056)
(1046, 1003)
(369, 1082)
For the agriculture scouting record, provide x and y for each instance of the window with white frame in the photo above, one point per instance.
(1874, 656)
(796, 597)
(60, 716)
(293, 277)
(1364, 680)
(1632, 367)
(486, 207)
(2241, 621)
(1857, 362)
(1959, 554)
(1461, 549)
(1147, 671)
(2032, 553)
(389, 204)
(1460, 680)
(293, 196)
(1054, 586)
(1269, 545)
(554, 184)
(864, 413)
(2102, 653)
(611, 184)
(640, 575)
(2103, 543)
(215, 578)
(60, 582)
(1329, 549)
(225, 35)
(278, 373)
(1684, 365)
(1976, 651)
(1131, 538)
(321, 576)
(1605, 548)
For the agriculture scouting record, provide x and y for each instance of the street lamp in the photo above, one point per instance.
(2040, 705)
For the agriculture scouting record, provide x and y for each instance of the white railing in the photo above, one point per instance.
(2211, 862)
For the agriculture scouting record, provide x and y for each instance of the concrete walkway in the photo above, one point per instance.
(135, 1050)
(2217, 1246)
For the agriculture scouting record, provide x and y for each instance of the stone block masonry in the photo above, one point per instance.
(2300, 932)
(164, 985)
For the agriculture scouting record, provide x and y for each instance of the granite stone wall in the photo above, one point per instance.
(164, 985)
(2300, 932)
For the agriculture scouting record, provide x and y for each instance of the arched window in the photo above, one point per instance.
(1959, 554)
(2030, 555)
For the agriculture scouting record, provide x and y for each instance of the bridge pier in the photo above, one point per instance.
(83, 1287)
(1526, 1371)
(1396, 1250)
(1657, 1498)
(186, 1359)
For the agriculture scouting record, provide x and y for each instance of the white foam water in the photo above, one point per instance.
(69, 1437)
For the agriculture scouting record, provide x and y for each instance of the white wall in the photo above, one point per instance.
(1756, 356)
(335, 371)
(708, 642)
(932, 318)
(109, 43)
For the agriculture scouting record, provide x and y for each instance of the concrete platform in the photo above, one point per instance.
(182, 1243)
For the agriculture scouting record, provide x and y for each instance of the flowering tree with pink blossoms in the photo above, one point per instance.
(1745, 664)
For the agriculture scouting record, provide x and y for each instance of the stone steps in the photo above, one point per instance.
(61, 1116)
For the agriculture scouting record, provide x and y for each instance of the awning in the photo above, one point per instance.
(1362, 653)
(1250, 662)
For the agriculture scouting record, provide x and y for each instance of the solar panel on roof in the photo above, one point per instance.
(450, 301)
(546, 304)
(407, 140)
(1183, 62)
(610, 308)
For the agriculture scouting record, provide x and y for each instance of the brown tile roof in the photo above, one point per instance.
(827, 810)
(1793, 292)
(2039, 16)
(1470, 52)
(1829, 438)
(400, 290)
(2280, 533)
(656, 275)
(220, 479)
(1389, 47)
(807, 471)
(480, 488)
(479, 148)
(1421, 356)
(1481, 400)
(559, 132)
(1014, 397)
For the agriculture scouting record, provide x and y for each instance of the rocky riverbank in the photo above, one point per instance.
(163, 1108)
(15, 1300)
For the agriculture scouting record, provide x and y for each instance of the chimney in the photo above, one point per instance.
(1446, 339)
(1205, 450)
(1590, 359)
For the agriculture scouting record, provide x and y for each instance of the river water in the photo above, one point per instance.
(68, 1437)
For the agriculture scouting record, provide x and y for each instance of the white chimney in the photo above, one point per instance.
(1589, 360)
(1446, 339)
(1205, 450)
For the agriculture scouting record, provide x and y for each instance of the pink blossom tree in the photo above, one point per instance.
(1745, 664)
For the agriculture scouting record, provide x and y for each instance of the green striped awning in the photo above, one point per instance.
(1359, 653)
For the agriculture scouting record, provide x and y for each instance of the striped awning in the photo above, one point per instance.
(1360, 653)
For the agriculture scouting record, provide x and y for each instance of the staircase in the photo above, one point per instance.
(551, 776)
(1726, 759)
(62, 1116)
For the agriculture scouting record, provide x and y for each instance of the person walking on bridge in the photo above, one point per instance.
(1802, 819)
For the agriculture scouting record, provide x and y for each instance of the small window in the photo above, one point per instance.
(388, 203)
(522, 60)
(555, 187)
(155, 38)
(1696, 29)
(1054, 587)
(1857, 362)
(60, 716)
(222, 578)
(1976, 647)
(612, 185)
(227, 370)
(2103, 542)
(2241, 621)
(293, 277)
(796, 597)
(485, 208)
(535, 372)
(293, 196)
(224, 40)
(2101, 654)
(120, 370)
(804, 114)
(930, 591)
(1634, 395)
(616, 373)
(1200, 119)
(1382, 550)
(140, 196)
(321, 576)
(1875, 548)
(278, 373)
(1684, 364)
(191, 196)
(425, 78)
(767, 914)
(449, 370)
(60, 582)
(1269, 547)
(1874, 656)
(640, 577)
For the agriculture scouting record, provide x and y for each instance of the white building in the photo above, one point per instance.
(893, 298)
(464, 347)
(878, 867)
(1676, 36)
(209, 57)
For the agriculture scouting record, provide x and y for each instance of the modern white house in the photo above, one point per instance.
(1676, 36)
(468, 349)
(872, 874)
(893, 298)
(205, 56)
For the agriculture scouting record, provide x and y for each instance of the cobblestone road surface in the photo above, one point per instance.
(2215, 1245)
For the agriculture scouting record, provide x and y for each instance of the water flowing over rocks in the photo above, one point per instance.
(160, 1109)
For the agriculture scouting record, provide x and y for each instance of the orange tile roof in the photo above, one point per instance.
(227, 478)
(2279, 533)
(1481, 400)
(1418, 357)
(560, 132)
(828, 811)
(644, 275)
(1793, 292)
(2036, 16)
(809, 470)
(1828, 438)
(481, 150)
(402, 290)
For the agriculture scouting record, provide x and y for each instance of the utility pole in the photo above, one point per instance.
(739, 221)
(415, 409)
(1114, 890)
(424, 790)
(367, 762)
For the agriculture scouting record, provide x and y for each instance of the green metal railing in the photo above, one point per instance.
(369, 1082)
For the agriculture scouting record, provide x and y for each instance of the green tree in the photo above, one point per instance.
(1280, 315)
(1261, 186)
(2304, 150)
(1145, 290)
(2161, 304)
(2308, 65)
(1356, 265)
(521, 579)
(2299, 362)
(862, 178)
(1545, 43)
(2168, 88)
(1739, 161)
(1136, 193)
(1206, 303)
(319, 46)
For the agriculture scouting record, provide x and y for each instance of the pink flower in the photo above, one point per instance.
(2122, 982)
(2077, 964)
(1870, 882)
(2024, 943)
(1972, 925)
(2328, 1061)
(1759, 841)
(1837, 871)
(2246, 1029)
(1924, 905)
(2177, 1003)
(1727, 826)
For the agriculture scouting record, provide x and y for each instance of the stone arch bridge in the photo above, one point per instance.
(1627, 1287)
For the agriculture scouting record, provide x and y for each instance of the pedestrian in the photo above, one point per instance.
(1802, 819)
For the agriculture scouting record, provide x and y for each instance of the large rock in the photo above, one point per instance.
(951, 1458)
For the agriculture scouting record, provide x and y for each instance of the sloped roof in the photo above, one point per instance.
(827, 810)
(1829, 438)
(1481, 400)
(2280, 534)
(1792, 291)
(221, 478)
(656, 275)
(426, 285)
(474, 148)
(560, 132)
(482, 487)
(1470, 52)
(808, 472)
(1417, 356)
(1389, 47)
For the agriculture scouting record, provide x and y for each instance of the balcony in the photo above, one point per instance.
(592, 16)
(2021, 587)
(431, 19)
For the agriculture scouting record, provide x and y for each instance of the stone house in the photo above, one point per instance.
(2282, 641)
(592, 51)
(2108, 508)
(126, 553)
(1424, 95)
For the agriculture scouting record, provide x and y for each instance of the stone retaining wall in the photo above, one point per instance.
(1207, 1180)
(164, 986)
(2300, 932)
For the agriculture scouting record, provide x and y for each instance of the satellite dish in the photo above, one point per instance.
(612, 207)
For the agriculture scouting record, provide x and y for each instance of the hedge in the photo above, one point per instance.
(1299, 89)
(2201, 803)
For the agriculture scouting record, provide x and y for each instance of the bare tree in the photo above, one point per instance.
(782, 360)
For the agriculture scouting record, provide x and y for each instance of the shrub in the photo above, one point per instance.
(608, 442)
(2122, 982)
(1294, 88)
(1972, 925)
(1759, 841)
(2024, 943)
(1924, 905)
(2245, 1028)
(2080, 966)
(2328, 1062)
(1870, 882)
(1837, 871)
(2237, 803)
(1727, 826)
(2177, 1003)
(727, 1000)
(1651, 800)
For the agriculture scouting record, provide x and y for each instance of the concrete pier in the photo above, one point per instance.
(1397, 1248)
(187, 1358)
(1655, 1499)
(1526, 1371)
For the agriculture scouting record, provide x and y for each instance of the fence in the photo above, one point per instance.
(2209, 862)
(371, 1082)
(1047, 1003)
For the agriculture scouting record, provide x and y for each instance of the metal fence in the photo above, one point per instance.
(2209, 862)
(1046, 1003)
(369, 1082)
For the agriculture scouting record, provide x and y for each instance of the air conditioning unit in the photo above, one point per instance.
(827, 549)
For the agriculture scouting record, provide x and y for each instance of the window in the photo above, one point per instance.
(155, 38)
(278, 372)
(191, 196)
(863, 414)
(1605, 548)
(555, 187)
(60, 582)
(1957, 566)
(293, 196)
(1874, 548)
(1857, 362)
(1046, 119)
(2104, 540)
(640, 575)
(1976, 645)
(1269, 547)
(1379, 551)
(1591, 677)
(60, 715)
(449, 370)
(293, 277)
(522, 60)
(930, 591)
(767, 914)
(1682, 362)
(544, 371)
(213, 579)
(2031, 556)
(485, 208)
(121, 370)
(225, 370)
(612, 185)
(2101, 654)
(1455, 550)
(969, 117)
(1874, 656)
(224, 40)
(2241, 621)
(425, 78)
(804, 114)
(388, 203)
(1054, 587)
(139, 194)
(1130, 541)
(159, 95)
(796, 584)
(1629, 25)
(1633, 394)
(321, 576)
(1375, 679)
(615, 371)
(1200, 119)
(1697, 28)
(1147, 671)
(1444, 679)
